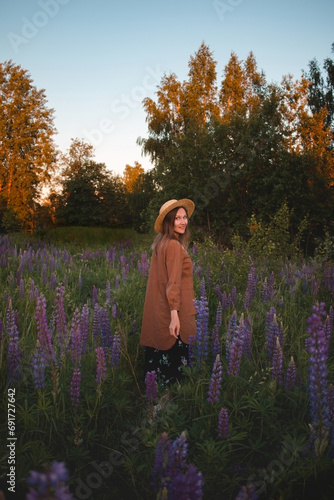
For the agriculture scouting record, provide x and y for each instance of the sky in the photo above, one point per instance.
(98, 59)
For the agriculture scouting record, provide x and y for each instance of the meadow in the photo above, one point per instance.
(252, 418)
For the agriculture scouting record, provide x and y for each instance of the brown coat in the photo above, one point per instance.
(169, 286)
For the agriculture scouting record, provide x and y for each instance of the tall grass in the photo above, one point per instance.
(108, 439)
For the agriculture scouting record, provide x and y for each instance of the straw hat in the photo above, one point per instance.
(168, 206)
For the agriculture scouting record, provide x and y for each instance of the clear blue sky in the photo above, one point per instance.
(97, 59)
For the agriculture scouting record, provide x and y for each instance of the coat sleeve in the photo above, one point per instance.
(174, 260)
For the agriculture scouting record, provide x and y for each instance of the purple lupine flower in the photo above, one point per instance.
(44, 275)
(84, 325)
(53, 281)
(272, 332)
(111, 256)
(247, 347)
(162, 454)
(316, 346)
(215, 341)
(179, 450)
(236, 350)
(75, 388)
(122, 259)
(14, 350)
(219, 318)
(43, 331)
(202, 291)
(75, 339)
(277, 363)
(202, 328)
(101, 327)
(234, 297)
(328, 330)
(290, 376)
(116, 350)
(21, 289)
(171, 475)
(143, 264)
(186, 485)
(125, 272)
(114, 308)
(251, 288)
(224, 301)
(223, 424)
(51, 484)
(60, 318)
(96, 323)
(216, 380)
(108, 293)
(116, 282)
(38, 364)
(231, 329)
(268, 292)
(101, 368)
(33, 290)
(247, 492)
(151, 387)
(105, 330)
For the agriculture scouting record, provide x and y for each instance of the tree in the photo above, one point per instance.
(130, 176)
(138, 201)
(242, 88)
(27, 152)
(321, 89)
(90, 195)
(241, 150)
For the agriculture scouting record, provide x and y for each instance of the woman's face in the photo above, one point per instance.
(180, 221)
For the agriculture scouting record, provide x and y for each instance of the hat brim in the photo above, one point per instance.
(187, 204)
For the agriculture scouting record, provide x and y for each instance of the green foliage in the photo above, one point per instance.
(241, 149)
(10, 222)
(321, 87)
(27, 156)
(90, 194)
(272, 241)
(113, 432)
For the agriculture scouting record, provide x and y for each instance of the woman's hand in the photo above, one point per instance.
(174, 326)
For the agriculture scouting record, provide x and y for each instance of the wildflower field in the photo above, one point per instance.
(252, 418)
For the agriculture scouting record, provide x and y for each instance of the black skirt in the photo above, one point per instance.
(167, 364)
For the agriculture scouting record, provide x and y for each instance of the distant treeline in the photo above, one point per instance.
(241, 148)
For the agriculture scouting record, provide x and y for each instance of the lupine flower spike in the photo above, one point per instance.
(171, 475)
(151, 388)
(51, 484)
(216, 380)
(316, 345)
(223, 424)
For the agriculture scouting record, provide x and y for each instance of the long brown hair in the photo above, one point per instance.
(167, 232)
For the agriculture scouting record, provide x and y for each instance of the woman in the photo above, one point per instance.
(169, 311)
